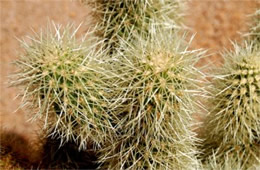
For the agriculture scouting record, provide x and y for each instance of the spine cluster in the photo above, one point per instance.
(157, 86)
(232, 129)
(130, 87)
(63, 82)
(118, 19)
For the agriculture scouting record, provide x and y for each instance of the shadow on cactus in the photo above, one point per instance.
(119, 18)
(61, 80)
(232, 128)
(66, 157)
(44, 154)
(156, 82)
(14, 151)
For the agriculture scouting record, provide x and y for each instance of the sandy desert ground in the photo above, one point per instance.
(215, 23)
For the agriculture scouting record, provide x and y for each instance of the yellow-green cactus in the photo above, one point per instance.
(119, 18)
(232, 128)
(156, 85)
(62, 81)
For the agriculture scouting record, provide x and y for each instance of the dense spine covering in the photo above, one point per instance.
(62, 80)
(156, 85)
(232, 128)
(120, 18)
(138, 104)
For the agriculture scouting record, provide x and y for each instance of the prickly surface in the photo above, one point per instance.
(255, 29)
(232, 129)
(232, 161)
(119, 18)
(154, 105)
(61, 82)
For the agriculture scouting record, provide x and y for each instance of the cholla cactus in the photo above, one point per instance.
(232, 129)
(156, 82)
(231, 161)
(255, 29)
(61, 79)
(119, 18)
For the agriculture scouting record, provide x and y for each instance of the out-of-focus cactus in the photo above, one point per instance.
(232, 128)
(231, 162)
(254, 33)
(157, 81)
(62, 80)
(120, 18)
(14, 151)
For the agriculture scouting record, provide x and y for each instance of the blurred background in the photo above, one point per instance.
(215, 23)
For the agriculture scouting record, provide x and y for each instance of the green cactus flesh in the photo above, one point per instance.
(61, 81)
(119, 18)
(154, 109)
